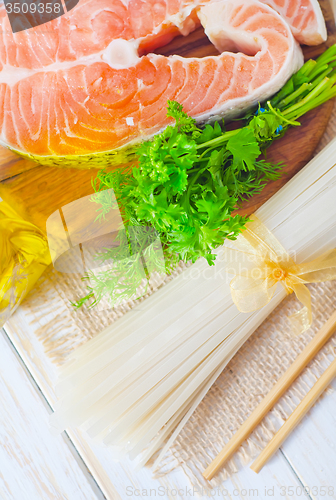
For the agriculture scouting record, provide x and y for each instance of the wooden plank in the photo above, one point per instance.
(333, 6)
(12, 164)
(36, 194)
(311, 448)
(34, 463)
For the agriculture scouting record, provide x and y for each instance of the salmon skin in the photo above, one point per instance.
(82, 90)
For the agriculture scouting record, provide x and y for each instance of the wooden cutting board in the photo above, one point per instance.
(37, 191)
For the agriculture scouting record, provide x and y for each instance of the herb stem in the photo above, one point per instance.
(219, 140)
(287, 121)
(201, 158)
(326, 96)
(307, 68)
(318, 70)
(294, 95)
(328, 55)
(316, 91)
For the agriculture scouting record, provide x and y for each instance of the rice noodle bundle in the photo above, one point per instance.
(137, 383)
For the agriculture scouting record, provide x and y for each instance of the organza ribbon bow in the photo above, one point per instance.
(24, 255)
(259, 263)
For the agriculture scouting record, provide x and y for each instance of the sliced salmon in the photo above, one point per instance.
(79, 84)
(304, 17)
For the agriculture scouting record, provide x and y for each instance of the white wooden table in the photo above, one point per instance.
(36, 465)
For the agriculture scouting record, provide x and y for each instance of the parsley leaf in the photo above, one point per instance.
(244, 148)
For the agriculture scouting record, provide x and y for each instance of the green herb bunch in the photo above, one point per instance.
(189, 180)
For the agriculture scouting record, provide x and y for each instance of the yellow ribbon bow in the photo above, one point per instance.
(259, 263)
(24, 255)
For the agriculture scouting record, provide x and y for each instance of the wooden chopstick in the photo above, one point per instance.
(273, 396)
(295, 418)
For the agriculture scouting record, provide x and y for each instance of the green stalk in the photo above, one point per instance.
(328, 93)
(318, 70)
(318, 78)
(327, 55)
(219, 140)
(324, 85)
(317, 102)
(323, 75)
(294, 95)
(307, 68)
(287, 121)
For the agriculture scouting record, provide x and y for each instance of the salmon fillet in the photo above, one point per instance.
(304, 17)
(80, 85)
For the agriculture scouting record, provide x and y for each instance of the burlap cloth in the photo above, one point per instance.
(238, 390)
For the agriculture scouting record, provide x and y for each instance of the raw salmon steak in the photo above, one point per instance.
(304, 17)
(87, 83)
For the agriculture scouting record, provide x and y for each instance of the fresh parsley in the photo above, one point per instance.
(190, 180)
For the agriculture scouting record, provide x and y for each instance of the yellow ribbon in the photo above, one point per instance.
(24, 255)
(259, 262)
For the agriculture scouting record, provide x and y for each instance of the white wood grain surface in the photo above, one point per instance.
(311, 448)
(34, 464)
(118, 480)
